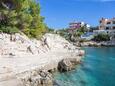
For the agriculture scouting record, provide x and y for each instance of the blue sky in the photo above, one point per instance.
(58, 13)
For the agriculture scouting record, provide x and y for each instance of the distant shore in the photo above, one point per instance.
(94, 44)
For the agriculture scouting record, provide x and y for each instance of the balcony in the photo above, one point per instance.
(110, 25)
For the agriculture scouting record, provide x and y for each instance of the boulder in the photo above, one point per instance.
(68, 64)
(65, 65)
(81, 52)
(40, 78)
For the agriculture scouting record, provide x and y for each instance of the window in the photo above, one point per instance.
(113, 27)
(107, 28)
(100, 21)
(108, 22)
(113, 22)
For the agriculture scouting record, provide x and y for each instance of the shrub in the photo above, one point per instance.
(101, 37)
(10, 30)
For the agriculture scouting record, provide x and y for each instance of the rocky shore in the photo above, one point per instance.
(95, 44)
(30, 62)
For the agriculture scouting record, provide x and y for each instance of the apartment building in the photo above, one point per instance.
(74, 25)
(106, 26)
(77, 25)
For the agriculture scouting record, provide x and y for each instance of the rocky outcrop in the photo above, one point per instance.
(44, 77)
(67, 64)
(19, 44)
(37, 78)
(81, 52)
(29, 56)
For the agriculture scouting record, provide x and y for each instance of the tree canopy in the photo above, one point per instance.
(21, 15)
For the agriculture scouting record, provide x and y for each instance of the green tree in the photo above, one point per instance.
(101, 37)
(23, 15)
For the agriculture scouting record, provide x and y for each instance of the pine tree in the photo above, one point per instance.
(23, 15)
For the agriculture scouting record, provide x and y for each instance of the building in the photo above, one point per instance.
(88, 36)
(106, 26)
(76, 25)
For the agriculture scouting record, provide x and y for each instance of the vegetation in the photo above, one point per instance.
(63, 32)
(82, 30)
(101, 37)
(72, 35)
(9, 29)
(21, 15)
(50, 30)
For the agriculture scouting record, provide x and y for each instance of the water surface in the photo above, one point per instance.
(97, 69)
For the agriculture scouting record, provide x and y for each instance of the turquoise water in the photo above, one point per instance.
(97, 69)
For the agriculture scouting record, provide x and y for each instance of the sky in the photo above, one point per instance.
(59, 13)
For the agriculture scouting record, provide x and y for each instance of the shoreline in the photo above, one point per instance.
(90, 72)
(34, 73)
(93, 44)
(21, 68)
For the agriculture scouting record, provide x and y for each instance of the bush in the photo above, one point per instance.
(27, 32)
(83, 40)
(10, 30)
(101, 37)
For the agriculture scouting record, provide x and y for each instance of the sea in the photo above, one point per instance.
(97, 69)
